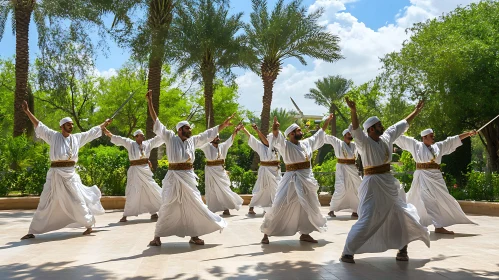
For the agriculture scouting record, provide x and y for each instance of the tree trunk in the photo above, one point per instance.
(154, 84)
(208, 73)
(491, 134)
(22, 14)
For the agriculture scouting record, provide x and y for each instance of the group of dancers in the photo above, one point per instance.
(388, 218)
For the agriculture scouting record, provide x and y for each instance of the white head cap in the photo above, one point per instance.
(345, 131)
(290, 129)
(180, 124)
(370, 122)
(426, 132)
(65, 120)
(138, 132)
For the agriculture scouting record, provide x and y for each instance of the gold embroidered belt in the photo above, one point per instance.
(428, 165)
(270, 163)
(298, 166)
(346, 161)
(180, 166)
(141, 161)
(215, 162)
(62, 163)
(380, 169)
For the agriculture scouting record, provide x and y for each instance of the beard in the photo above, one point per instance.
(68, 130)
(216, 141)
(350, 138)
(186, 134)
(378, 132)
(298, 136)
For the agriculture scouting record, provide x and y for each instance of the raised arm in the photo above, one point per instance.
(406, 143)
(353, 113)
(275, 127)
(31, 117)
(467, 134)
(262, 136)
(326, 123)
(152, 112)
(416, 112)
(226, 123)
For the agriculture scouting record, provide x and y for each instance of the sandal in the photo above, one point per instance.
(28, 236)
(196, 240)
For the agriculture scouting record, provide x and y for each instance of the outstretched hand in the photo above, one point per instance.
(149, 95)
(25, 107)
(351, 104)
(276, 124)
(472, 133)
(106, 123)
(253, 125)
(327, 121)
(227, 122)
(420, 106)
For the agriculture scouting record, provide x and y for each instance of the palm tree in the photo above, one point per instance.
(287, 32)
(22, 11)
(328, 92)
(204, 40)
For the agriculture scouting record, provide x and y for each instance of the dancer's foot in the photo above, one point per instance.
(28, 236)
(155, 242)
(196, 240)
(307, 238)
(331, 214)
(347, 259)
(226, 213)
(154, 217)
(88, 231)
(123, 220)
(443, 231)
(402, 255)
(251, 211)
(355, 215)
(265, 239)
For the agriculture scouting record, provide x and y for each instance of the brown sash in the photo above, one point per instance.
(215, 162)
(298, 166)
(380, 169)
(270, 163)
(141, 161)
(428, 165)
(62, 163)
(180, 166)
(346, 161)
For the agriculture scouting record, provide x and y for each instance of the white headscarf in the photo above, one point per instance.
(180, 124)
(290, 129)
(370, 122)
(138, 132)
(345, 131)
(426, 132)
(65, 120)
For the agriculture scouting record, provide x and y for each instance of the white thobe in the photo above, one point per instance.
(296, 205)
(219, 196)
(428, 192)
(386, 220)
(268, 176)
(347, 179)
(143, 195)
(65, 201)
(183, 212)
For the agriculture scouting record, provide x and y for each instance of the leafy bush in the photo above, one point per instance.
(405, 167)
(160, 172)
(482, 186)
(325, 175)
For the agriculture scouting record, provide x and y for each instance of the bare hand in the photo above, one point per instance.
(276, 124)
(472, 133)
(420, 106)
(253, 125)
(351, 104)
(149, 95)
(331, 116)
(25, 107)
(227, 122)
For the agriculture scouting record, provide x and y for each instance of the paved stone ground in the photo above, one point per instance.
(119, 251)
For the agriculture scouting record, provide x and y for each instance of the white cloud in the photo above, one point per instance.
(361, 46)
(111, 72)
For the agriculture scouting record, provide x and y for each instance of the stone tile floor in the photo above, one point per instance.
(120, 251)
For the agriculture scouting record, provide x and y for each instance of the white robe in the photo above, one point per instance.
(219, 196)
(65, 201)
(386, 220)
(268, 176)
(183, 212)
(347, 180)
(428, 192)
(143, 195)
(296, 205)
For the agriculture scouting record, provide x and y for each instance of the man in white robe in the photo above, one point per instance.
(183, 212)
(143, 195)
(386, 220)
(269, 172)
(347, 179)
(296, 206)
(219, 196)
(428, 192)
(65, 201)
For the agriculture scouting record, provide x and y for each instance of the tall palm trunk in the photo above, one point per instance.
(22, 13)
(333, 121)
(491, 133)
(208, 73)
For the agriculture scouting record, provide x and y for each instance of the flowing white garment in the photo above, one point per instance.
(143, 195)
(428, 192)
(386, 220)
(268, 176)
(347, 181)
(65, 201)
(219, 196)
(182, 211)
(296, 205)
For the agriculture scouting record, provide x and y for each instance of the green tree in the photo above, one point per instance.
(205, 40)
(289, 31)
(7, 88)
(452, 62)
(329, 92)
